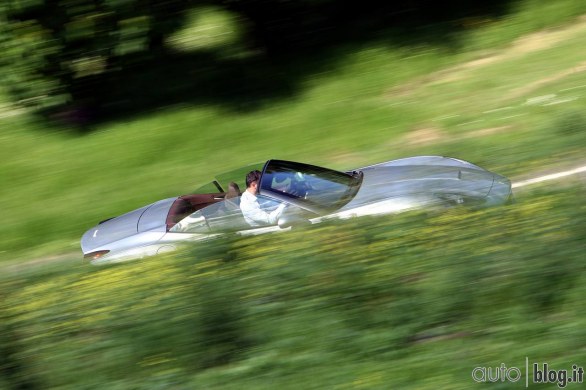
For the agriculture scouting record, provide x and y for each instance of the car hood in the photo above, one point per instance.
(147, 218)
(385, 182)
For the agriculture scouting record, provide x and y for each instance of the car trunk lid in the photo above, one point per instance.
(147, 218)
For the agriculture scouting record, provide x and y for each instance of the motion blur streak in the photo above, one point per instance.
(552, 176)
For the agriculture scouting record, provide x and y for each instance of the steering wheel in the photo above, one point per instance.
(298, 188)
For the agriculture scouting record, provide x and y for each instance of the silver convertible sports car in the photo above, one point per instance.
(311, 194)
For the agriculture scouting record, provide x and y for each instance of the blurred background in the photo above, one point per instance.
(107, 105)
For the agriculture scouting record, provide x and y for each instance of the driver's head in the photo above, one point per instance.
(252, 179)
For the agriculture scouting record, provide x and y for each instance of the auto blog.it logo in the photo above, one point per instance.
(534, 373)
(496, 374)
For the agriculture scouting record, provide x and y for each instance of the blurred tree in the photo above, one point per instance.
(57, 51)
(280, 26)
(70, 56)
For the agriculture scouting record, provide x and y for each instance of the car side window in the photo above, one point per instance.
(224, 216)
(193, 223)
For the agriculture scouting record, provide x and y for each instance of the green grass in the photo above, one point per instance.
(418, 301)
(411, 301)
(360, 108)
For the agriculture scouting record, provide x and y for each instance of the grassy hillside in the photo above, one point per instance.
(507, 104)
(414, 301)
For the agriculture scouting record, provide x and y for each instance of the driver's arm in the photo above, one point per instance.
(256, 216)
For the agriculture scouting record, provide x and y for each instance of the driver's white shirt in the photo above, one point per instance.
(254, 215)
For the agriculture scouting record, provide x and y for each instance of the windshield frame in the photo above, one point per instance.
(349, 181)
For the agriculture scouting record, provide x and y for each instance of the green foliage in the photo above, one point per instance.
(27, 48)
(82, 61)
(338, 296)
(54, 51)
(414, 300)
(368, 105)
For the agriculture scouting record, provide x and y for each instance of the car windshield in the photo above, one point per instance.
(309, 186)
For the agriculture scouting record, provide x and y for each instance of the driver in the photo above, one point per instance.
(253, 214)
